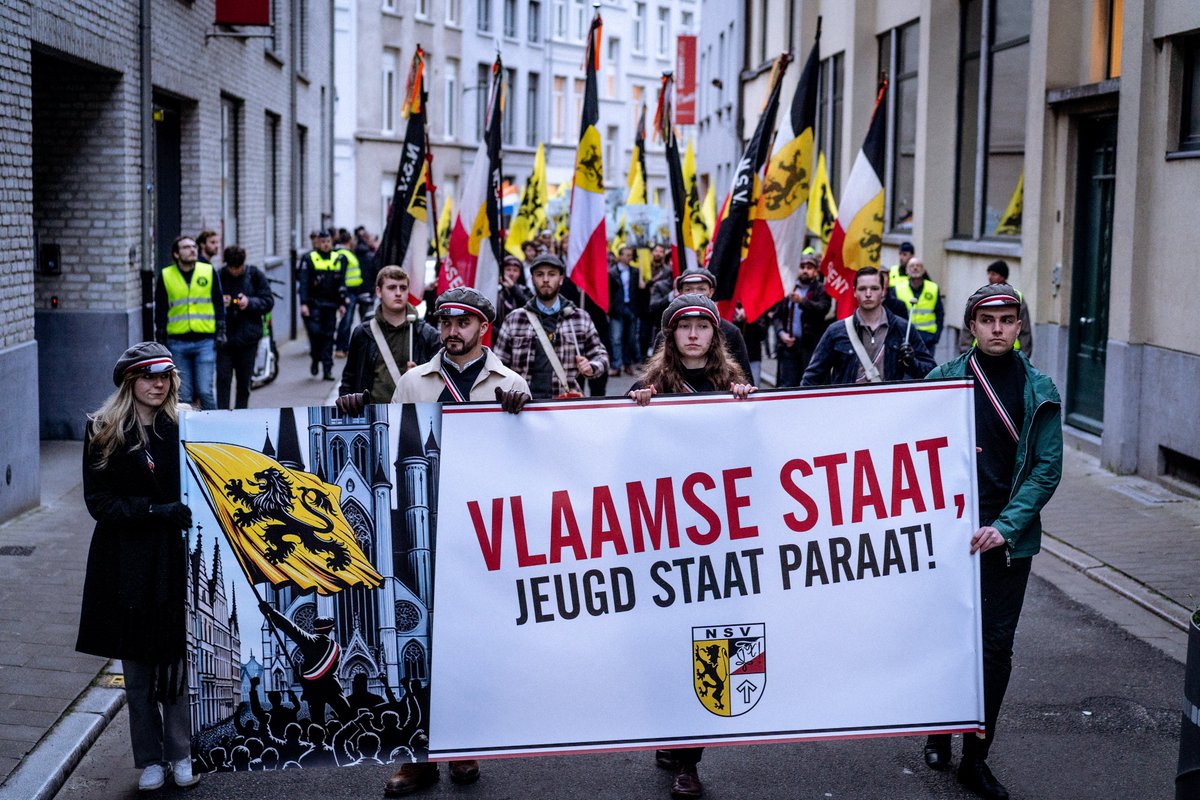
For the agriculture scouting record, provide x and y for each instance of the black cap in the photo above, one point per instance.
(144, 358)
(907, 247)
(690, 305)
(693, 275)
(989, 295)
(1000, 267)
(324, 233)
(511, 259)
(464, 300)
(549, 260)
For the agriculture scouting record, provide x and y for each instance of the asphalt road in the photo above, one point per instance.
(1092, 712)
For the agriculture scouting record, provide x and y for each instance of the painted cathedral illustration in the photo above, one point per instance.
(214, 642)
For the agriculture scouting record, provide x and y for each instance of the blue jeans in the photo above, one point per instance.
(197, 365)
(623, 338)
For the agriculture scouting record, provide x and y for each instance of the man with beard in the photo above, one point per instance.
(550, 342)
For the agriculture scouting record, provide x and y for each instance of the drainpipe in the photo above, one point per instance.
(294, 160)
(146, 135)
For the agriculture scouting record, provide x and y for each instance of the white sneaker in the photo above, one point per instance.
(181, 771)
(153, 777)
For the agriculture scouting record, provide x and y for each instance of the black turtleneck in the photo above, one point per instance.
(997, 459)
(698, 380)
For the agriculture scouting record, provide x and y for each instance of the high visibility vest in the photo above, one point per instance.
(189, 305)
(1017, 341)
(921, 309)
(325, 263)
(895, 272)
(353, 271)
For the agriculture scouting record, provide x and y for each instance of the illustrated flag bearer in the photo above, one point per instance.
(730, 237)
(587, 240)
(476, 247)
(406, 237)
(858, 233)
(683, 252)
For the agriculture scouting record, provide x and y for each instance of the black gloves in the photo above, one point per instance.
(907, 355)
(512, 401)
(177, 514)
(221, 338)
(351, 404)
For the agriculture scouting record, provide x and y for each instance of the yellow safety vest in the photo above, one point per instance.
(325, 263)
(894, 275)
(189, 305)
(1017, 341)
(353, 271)
(921, 309)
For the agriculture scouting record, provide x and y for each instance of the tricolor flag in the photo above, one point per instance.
(476, 247)
(822, 210)
(777, 229)
(683, 254)
(858, 233)
(587, 240)
(729, 240)
(405, 239)
(285, 526)
(531, 216)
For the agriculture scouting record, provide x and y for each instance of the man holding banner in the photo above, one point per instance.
(1019, 464)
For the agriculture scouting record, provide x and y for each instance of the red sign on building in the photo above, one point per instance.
(243, 12)
(685, 80)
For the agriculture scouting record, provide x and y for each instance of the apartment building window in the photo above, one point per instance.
(230, 168)
(533, 21)
(422, 10)
(510, 18)
(301, 43)
(532, 134)
(579, 90)
(483, 15)
(829, 116)
(301, 187)
(508, 128)
(610, 67)
(560, 19)
(686, 21)
(560, 108)
(481, 98)
(450, 103)
(664, 32)
(1189, 112)
(993, 88)
(898, 50)
(271, 185)
(639, 27)
(610, 152)
(388, 6)
(581, 20)
(1116, 27)
(391, 60)
(721, 71)
(454, 12)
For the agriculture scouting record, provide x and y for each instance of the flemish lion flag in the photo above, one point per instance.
(285, 526)
(822, 210)
(587, 240)
(858, 233)
(531, 217)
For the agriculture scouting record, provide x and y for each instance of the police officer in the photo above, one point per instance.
(358, 295)
(189, 317)
(321, 288)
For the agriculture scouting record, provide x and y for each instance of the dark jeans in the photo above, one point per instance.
(235, 361)
(1002, 594)
(624, 339)
(792, 362)
(364, 303)
(158, 731)
(321, 325)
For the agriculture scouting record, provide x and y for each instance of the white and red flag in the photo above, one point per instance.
(587, 240)
(857, 235)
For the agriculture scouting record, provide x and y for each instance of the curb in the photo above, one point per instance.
(1129, 588)
(44, 770)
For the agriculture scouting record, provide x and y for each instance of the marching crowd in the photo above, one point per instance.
(547, 342)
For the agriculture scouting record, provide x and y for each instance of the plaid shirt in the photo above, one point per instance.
(517, 341)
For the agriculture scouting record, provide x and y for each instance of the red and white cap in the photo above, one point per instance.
(690, 305)
(146, 358)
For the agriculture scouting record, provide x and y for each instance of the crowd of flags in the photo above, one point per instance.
(780, 200)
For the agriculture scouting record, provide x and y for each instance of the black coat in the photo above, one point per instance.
(134, 590)
(359, 374)
(834, 363)
(244, 327)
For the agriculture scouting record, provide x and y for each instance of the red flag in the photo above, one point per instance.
(587, 241)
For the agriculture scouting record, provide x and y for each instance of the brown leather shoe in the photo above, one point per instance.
(665, 759)
(411, 778)
(463, 772)
(687, 783)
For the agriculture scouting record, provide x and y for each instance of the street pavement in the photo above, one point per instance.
(1125, 548)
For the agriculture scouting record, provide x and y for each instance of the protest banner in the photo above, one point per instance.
(608, 576)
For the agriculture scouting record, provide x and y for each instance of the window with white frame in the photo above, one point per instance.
(560, 19)
(271, 185)
(454, 12)
(612, 58)
(533, 21)
(578, 98)
(482, 76)
(388, 104)
(993, 89)
(422, 9)
(231, 110)
(686, 21)
(532, 89)
(560, 108)
(581, 20)
(664, 32)
(450, 103)
(483, 15)
(898, 50)
(639, 27)
(510, 18)
(388, 6)
(829, 116)
(508, 126)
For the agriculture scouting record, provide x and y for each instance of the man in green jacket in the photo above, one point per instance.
(1018, 437)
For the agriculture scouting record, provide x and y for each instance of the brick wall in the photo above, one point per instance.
(16, 273)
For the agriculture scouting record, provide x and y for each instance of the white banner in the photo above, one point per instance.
(706, 571)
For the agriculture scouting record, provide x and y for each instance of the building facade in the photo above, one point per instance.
(1063, 138)
(128, 123)
(214, 641)
(718, 139)
(541, 43)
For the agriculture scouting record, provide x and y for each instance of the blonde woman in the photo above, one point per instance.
(133, 594)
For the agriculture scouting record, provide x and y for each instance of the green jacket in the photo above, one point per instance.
(1039, 458)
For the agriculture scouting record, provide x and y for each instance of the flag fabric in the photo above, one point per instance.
(683, 254)
(857, 236)
(405, 240)
(729, 240)
(636, 179)
(822, 210)
(1010, 220)
(476, 248)
(443, 227)
(531, 216)
(284, 525)
(691, 188)
(587, 241)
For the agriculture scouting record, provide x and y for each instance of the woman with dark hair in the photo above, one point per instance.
(692, 359)
(133, 594)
